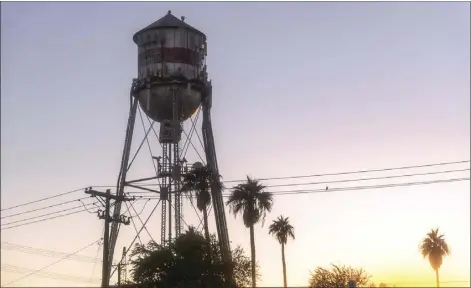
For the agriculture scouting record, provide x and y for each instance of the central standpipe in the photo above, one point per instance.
(169, 169)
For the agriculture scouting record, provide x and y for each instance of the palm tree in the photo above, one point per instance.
(199, 180)
(250, 200)
(435, 247)
(282, 230)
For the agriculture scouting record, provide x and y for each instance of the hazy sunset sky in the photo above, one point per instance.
(298, 89)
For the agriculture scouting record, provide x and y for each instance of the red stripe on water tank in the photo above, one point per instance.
(172, 55)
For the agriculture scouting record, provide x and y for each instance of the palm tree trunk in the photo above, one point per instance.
(437, 278)
(283, 261)
(252, 250)
(206, 232)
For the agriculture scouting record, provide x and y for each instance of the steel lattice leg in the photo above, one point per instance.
(216, 191)
(122, 174)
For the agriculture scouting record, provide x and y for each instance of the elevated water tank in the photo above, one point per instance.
(171, 57)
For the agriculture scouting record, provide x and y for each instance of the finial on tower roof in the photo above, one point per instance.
(169, 12)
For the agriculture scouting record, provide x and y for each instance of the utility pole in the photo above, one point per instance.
(120, 267)
(119, 274)
(105, 280)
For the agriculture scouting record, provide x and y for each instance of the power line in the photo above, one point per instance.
(43, 199)
(47, 214)
(368, 179)
(137, 215)
(355, 179)
(96, 258)
(294, 192)
(356, 172)
(263, 179)
(348, 173)
(371, 187)
(49, 275)
(133, 224)
(47, 207)
(142, 210)
(50, 218)
(354, 188)
(275, 193)
(44, 252)
(45, 267)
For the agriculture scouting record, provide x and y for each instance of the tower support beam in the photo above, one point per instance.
(124, 168)
(216, 188)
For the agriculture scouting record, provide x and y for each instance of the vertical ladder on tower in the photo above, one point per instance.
(176, 171)
(163, 194)
(180, 210)
(169, 172)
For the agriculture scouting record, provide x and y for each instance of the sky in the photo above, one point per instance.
(298, 89)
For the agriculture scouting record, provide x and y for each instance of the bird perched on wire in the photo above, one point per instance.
(326, 188)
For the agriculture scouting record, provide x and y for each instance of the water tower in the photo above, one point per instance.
(172, 83)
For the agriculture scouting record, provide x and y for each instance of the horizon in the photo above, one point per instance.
(298, 89)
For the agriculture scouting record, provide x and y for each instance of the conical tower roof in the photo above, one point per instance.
(168, 21)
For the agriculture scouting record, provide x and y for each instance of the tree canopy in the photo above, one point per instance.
(184, 264)
(435, 247)
(251, 200)
(338, 276)
(281, 229)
